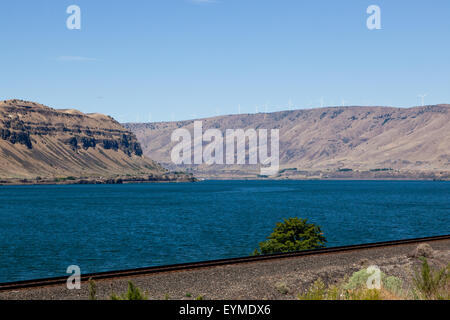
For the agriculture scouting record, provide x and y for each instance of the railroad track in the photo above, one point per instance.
(208, 264)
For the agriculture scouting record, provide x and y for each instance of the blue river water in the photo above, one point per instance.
(44, 229)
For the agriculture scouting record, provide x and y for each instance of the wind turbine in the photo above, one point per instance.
(344, 102)
(422, 96)
(321, 102)
(290, 104)
(239, 109)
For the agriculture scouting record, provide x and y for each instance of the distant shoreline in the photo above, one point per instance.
(323, 175)
(249, 179)
(321, 179)
(168, 178)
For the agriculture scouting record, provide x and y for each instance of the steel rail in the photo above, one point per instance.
(45, 282)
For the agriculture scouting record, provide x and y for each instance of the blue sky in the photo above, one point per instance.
(154, 60)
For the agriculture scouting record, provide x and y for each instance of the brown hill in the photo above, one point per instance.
(337, 142)
(45, 144)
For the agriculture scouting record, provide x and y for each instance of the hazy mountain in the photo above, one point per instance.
(357, 142)
(38, 142)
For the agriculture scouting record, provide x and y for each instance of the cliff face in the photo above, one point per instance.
(357, 142)
(38, 141)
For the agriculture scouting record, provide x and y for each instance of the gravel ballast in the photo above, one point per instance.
(274, 279)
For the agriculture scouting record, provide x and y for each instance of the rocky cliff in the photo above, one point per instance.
(38, 143)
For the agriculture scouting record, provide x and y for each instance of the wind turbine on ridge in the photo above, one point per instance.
(290, 104)
(422, 96)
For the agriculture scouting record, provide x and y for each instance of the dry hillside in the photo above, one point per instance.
(44, 144)
(337, 142)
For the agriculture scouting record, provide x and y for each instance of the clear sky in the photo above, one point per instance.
(153, 60)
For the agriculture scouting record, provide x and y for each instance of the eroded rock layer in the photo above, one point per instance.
(41, 143)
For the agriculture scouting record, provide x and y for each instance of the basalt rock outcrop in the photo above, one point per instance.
(42, 144)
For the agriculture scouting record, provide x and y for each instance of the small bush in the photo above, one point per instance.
(92, 290)
(282, 288)
(355, 288)
(364, 294)
(317, 291)
(394, 285)
(359, 280)
(432, 284)
(133, 293)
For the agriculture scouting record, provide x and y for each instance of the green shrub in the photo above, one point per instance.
(92, 290)
(282, 288)
(393, 284)
(363, 294)
(317, 291)
(133, 293)
(355, 288)
(293, 234)
(432, 284)
(359, 279)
